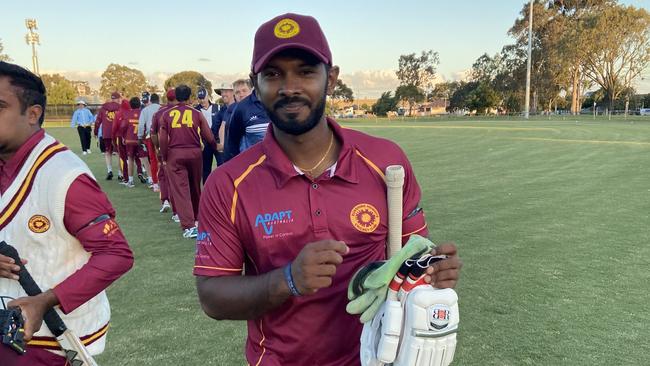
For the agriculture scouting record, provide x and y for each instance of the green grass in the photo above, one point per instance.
(551, 218)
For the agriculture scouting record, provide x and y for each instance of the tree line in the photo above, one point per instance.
(577, 45)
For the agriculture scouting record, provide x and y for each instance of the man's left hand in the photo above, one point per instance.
(33, 308)
(445, 273)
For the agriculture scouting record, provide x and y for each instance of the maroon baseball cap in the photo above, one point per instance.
(289, 31)
(171, 95)
(115, 95)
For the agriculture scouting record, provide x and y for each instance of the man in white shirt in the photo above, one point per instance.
(144, 128)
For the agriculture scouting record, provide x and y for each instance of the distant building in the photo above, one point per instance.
(436, 106)
(86, 93)
(82, 87)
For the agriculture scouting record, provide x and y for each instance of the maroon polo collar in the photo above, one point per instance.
(283, 170)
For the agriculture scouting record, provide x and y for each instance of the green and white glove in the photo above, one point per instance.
(368, 288)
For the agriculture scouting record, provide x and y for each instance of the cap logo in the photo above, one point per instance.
(286, 28)
(38, 224)
(364, 217)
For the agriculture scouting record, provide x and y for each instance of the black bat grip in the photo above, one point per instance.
(51, 317)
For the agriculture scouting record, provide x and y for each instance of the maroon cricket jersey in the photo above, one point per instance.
(130, 121)
(183, 124)
(258, 212)
(183, 127)
(105, 119)
(110, 255)
(155, 121)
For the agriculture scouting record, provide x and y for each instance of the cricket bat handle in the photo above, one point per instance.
(394, 193)
(51, 317)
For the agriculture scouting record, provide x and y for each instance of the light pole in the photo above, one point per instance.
(530, 47)
(33, 39)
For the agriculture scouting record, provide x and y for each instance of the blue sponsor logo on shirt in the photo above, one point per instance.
(203, 235)
(267, 220)
(202, 239)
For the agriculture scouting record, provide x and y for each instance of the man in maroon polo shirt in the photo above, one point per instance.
(306, 207)
(89, 228)
(105, 119)
(181, 130)
(129, 128)
(166, 198)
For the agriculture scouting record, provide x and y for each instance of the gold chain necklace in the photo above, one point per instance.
(321, 159)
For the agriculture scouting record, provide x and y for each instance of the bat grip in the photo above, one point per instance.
(51, 317)
(394, 190)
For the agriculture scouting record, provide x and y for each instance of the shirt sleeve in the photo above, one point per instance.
(89, 116)
(142, 123)
(163, 139)
(73, 121)
(206, 133)
(98, 121)
(219, 250)
(236, 131)
(90, 217)
(155, 122)
(216, 124)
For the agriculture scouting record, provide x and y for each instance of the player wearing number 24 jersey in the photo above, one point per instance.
(181, 130)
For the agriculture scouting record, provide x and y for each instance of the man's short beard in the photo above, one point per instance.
(293, 126)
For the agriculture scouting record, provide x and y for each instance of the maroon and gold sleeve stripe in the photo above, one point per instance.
(21, 195)
(52, 344)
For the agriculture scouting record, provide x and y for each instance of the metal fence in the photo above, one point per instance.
(64, 111)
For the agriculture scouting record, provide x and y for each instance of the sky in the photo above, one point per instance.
(80, 38)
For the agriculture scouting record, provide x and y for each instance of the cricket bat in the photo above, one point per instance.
(75, 351)
(395, 188)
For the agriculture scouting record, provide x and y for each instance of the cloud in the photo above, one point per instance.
(366, 84)
(203, 59)
(94, 78)
(463, 75)
(133, 63)
(369, 84)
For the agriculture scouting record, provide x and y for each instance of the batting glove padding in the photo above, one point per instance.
(368, 288)
(418, 331)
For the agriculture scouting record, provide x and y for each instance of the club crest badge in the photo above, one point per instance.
(364, 217)
(286, 28)
(38, 224)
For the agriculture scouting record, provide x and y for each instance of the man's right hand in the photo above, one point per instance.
(316, 264)
(8, 267)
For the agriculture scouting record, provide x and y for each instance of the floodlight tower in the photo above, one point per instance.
(530, 47)
(33, 39)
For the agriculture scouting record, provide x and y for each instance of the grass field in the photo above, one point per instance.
(551, 218)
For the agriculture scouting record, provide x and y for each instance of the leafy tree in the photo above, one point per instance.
(3, 56)
(597, 96)
(512, 103)
(550, 66)
(342, 92)
(573, 45)
(384, 104)
(646, 101)
(486, 68)
(418, 71)
(410, 94)
(445, 90)
(193, 79)
(510, 81)
(129, 82)
(483, 98)
(460, 97)
(59, 89)
(620, 48)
